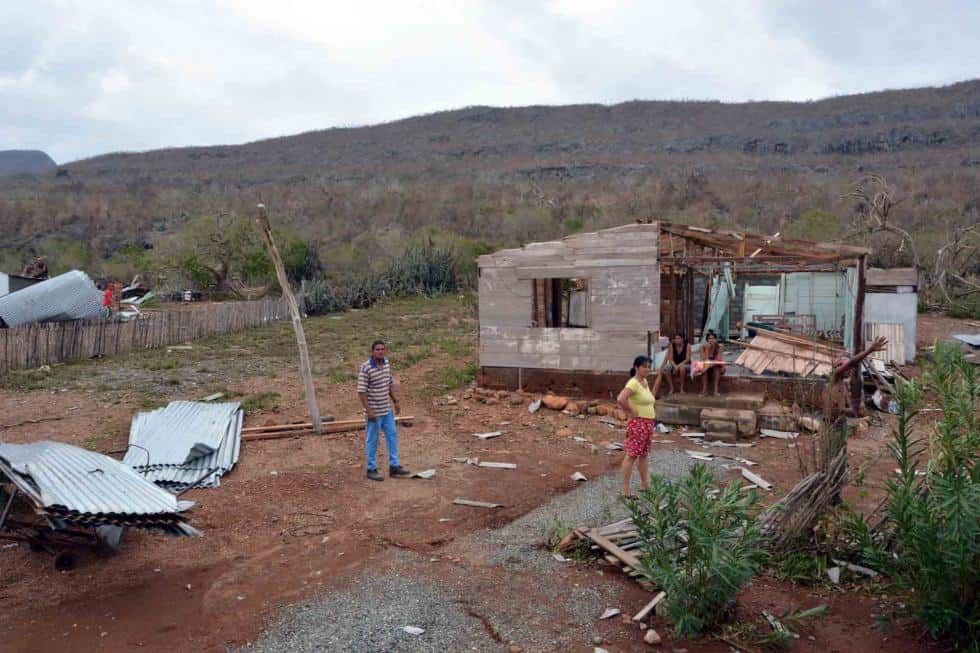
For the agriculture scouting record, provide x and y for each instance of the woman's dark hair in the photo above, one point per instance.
(711, 332)
(637, 362)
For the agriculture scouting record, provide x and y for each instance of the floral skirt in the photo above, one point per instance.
(639, 432)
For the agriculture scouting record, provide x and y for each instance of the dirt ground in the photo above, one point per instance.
(296, 518)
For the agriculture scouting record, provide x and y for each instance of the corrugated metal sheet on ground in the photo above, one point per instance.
(69, 296)
(178, 433)
(186, 444)
(771, 355)
(69, 479)
(972, 340)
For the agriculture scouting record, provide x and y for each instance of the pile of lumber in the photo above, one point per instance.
(277, 431)
(782, 352)
(618, 544)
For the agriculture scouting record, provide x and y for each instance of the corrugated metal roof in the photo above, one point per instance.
(179, 433)
(186, 444)
(69, 296)
(69, 479)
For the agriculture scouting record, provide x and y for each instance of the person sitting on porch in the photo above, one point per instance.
(677, 361)
(712, 364)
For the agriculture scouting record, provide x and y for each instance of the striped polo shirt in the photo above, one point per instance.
(375, 381)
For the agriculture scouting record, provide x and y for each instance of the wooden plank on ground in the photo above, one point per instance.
(625, 557)
(648, 608)
(476, 504)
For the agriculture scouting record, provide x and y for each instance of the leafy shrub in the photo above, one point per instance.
(261, 402)
(700, 550)
(420, 270)
(932, 546)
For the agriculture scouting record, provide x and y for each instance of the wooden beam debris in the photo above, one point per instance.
(477, 504)
(648, 608)
(491, 465)
(755, 479)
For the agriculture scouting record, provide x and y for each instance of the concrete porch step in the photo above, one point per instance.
(734, 400)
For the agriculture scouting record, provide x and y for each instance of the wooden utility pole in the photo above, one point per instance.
(857, 378)
(287, 291)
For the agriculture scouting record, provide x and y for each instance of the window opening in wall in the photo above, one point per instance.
(561, 303)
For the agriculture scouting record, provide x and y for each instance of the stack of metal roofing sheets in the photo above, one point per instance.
(74, 487)
(186, 444)
(69, 296)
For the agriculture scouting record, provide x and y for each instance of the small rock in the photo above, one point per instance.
(652, 637)
(188, 586)
(493, 401)
(597, 640)
(103, 634)
(503, 394)
(834, 574)
(515, 400)
(579, 476)
(572, 409)
(564, 432)
(554, 402)
(451, 401)
(516, 649)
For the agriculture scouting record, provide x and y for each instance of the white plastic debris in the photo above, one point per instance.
(413, 630)
(662, 428)
(834, 574)
(426, 473)
(579, 476)
(490, 434)
(534, 406)
(560, 558)
(610, 613)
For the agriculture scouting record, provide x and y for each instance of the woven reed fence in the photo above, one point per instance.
(43, 344)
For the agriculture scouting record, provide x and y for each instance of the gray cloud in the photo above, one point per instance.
(81, 79)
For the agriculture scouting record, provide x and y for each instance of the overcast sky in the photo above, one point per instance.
(84, 78)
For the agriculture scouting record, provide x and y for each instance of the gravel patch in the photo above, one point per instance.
(369, 615)
(474, 608)
(595, 502)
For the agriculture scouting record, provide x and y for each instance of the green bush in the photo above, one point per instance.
(700, 550)
(932, 541)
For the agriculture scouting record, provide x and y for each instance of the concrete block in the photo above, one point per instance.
(677, 414)
(745, 419)
(711, 436)
(719, 426)
(776, 417)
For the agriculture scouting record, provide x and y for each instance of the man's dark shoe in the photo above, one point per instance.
(375, 475)
(398, 472)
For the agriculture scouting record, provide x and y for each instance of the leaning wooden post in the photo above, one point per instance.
(304, 354)
(857, 378)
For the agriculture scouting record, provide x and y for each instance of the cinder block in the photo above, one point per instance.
(745, 419)
(711, 436)
(776, 417)
(677, 414)
(719, 426)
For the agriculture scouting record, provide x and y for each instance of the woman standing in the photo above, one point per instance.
(638, 400)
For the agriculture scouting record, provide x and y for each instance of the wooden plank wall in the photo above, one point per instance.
(44, 344)
(624, 294)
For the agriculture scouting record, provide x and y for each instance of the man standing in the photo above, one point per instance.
(376, 390)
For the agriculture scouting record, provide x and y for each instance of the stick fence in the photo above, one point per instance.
(44, 344)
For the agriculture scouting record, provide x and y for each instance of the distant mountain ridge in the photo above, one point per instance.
(25, 162)
(537, 138)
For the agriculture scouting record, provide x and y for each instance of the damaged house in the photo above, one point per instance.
(574, 312)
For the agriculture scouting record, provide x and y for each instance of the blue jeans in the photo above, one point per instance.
(387, 423)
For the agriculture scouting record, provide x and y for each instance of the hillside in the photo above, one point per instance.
(508, 175)
(25, 162)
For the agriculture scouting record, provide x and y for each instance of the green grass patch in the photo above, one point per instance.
(261, 402)
(450, 378)
(158, 364)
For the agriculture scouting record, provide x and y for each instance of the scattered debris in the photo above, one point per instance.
(610, 613)
(615, 446)
(698, 455)
(214, 397)
(651, 637)
(662, 428)
(476, 504)
(425, 473)
(782, 435)
(560, 558)
(413, 630)
(579, 476)
(497, 465)
(468, 461)
(692, 435)
(487, 436)
(534, 406)
(811, 423)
